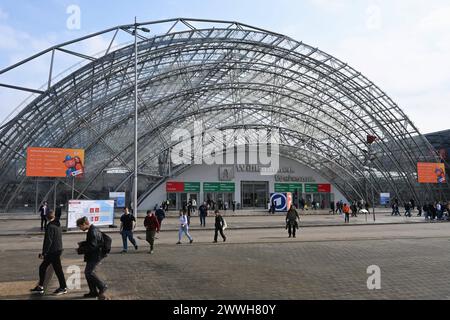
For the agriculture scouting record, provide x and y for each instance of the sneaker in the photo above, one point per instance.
(151, 251)
(38, 289)
(178, 242)
(60, 291)
(214, 241)
(192, 240)
(136, 247)
(91, 295)
(224, 239)
(124, 251)
(101, 294)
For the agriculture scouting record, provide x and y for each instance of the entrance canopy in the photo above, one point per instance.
(229, 76)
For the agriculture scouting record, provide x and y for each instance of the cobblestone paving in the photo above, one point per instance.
(261, 264)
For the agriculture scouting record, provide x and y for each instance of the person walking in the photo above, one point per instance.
(194, 206)
(52, 249)
(184, 228)
(439, 210)
(43, 211)
(272, 207)
(58, 213)
(354, 210)
(92, 250)
(346, 210)
(219, 225)
(160, 215)
(233, 204)
(127, 225)
(151, 225)
(408, 209)
(291, 221)
(203, 212)
(331, 207)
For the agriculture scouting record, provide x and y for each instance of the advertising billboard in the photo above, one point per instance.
(119, 199)
(385, 198)
(282, 201)
(99, 212)
(54, 162)
(431, 172)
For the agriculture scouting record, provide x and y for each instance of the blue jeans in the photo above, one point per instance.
(184, 230)
(202, 220)
(127, 234)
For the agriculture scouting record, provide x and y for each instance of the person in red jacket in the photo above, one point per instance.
(152, 227)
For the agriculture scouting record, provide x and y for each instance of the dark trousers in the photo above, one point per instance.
(160, 222)
(43, 222)
(216, 233)
(291, 228)
(94, 283)
(150, 237)
(53, 259)
(202, 220)
(347, 218)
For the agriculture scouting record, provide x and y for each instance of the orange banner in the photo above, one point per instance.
(431, 172)
(55, 162)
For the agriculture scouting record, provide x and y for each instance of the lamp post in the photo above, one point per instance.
(370, 139)
(135, 178)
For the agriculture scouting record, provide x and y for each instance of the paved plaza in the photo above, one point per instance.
(323, 262)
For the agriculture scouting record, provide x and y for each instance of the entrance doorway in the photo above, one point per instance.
(219, 200)
(254, 194)
(317, 200)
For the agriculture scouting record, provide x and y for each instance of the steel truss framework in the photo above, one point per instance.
(230, 76)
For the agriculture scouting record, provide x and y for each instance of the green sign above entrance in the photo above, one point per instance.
(192, 186)
(288, 187)
(218, 187)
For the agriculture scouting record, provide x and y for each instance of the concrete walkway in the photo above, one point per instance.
(31, 224)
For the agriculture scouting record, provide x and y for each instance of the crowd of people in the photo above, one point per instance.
(97, 244)
(431, 211)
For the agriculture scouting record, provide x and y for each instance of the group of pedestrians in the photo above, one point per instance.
(432, 211)
(96, 246)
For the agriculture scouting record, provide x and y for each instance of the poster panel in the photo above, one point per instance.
(119, 199)
(99, 212)
(431, 172)
(54, 162)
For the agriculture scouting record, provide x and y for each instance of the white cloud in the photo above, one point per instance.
(437, 20)
(410, 62)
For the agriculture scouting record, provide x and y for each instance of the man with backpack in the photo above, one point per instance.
(95, 248)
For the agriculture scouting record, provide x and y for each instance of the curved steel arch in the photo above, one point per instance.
(219, 72)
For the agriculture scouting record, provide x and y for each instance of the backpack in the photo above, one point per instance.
(106, 244)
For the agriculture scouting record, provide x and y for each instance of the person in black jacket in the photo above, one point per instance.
(219, 224)
(160, 215)
(92, 249)
(43, 211)
(58, 213)
(51, 253)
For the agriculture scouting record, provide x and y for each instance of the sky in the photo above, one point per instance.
(403, 46)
